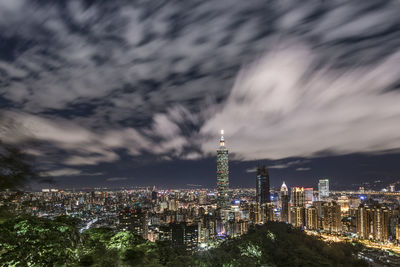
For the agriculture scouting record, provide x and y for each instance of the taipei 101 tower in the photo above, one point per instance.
(222, 175)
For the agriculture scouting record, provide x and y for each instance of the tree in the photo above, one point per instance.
(16, 168)
(31, 241)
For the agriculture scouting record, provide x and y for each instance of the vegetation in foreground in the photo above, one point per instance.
(32, 241)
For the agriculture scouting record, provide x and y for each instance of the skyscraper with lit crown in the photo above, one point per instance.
(222, 174)
(284, 196)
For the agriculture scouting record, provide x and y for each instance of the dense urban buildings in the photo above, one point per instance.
(198, 219)
(189, 217)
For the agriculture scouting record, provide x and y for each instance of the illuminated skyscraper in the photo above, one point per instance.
(373, 222)
(297, 212)
(222, 174)
(312, 218)
(309, 191)
(262, 186)
(332, 217)
(298, 197)
(323, 188)
(284, 203)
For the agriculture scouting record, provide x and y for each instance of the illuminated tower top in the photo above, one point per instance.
(222, 140)
(284, 189)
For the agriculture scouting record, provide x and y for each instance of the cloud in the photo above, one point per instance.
(116, 179)
(251, 170)
(192, 156)
(70, 172)
(87, 81)
(303, 169)
(64, 172)
(83, 146)
(281, 107)
(284, 165)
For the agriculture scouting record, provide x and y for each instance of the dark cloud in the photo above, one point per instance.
(92, 81)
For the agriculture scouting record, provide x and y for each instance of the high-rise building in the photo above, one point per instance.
(380, 223)
(267, 212)
(323, 188)
(332, 219)
(298, 197)
(154, 194)
(297, 216)
(308, 192)
(263, 197)
(222, 175)
(297, 212)
(373, 222)
(284, 198)
(133, 220)
(202, 197)
(363, 222)
(191, 237)
(312, 218)
(262, 186)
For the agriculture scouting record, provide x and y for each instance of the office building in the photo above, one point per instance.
(262, 186)
(323, 188)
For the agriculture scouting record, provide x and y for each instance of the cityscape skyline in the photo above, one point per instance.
(109, 146)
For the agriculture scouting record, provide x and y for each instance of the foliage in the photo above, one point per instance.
(31, 241)
(278, 244)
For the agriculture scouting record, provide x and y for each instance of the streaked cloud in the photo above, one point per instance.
(116, 179)
(70, 172)
(303, 169)
(281, 107)
(89, 82)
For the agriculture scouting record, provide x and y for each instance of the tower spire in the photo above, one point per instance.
(222, 139)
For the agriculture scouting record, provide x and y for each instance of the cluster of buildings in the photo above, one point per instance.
(374, 217)
(198, 219)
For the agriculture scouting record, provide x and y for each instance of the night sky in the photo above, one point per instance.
(134, 93)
